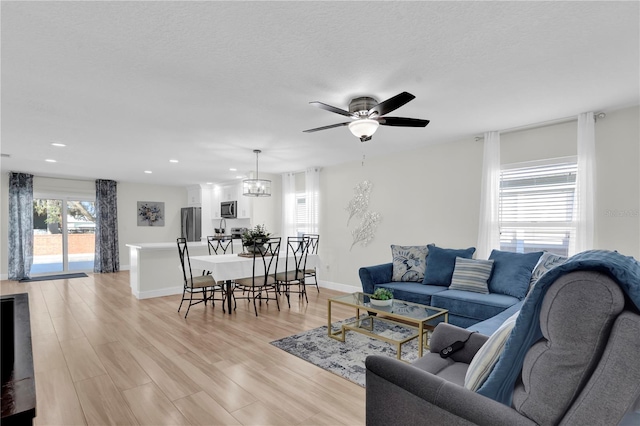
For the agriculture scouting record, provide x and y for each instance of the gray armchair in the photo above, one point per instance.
(584, 370)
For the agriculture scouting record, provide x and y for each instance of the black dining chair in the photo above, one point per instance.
(219, 246)
(314, 240)
(261, 286)
(294, 270)
(199, 284)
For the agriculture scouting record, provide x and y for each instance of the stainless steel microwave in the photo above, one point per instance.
(228, 209)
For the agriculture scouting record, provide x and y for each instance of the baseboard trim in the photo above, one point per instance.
(346, 288)
(170, 291)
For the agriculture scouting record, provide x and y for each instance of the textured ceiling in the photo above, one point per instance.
(129, 85)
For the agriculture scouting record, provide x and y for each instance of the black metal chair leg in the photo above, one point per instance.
(183, 293)
(190, 303)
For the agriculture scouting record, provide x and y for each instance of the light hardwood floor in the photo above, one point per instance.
(103, 357)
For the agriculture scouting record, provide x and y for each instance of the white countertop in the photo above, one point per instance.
(164, 246)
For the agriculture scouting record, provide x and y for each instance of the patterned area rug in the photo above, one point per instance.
(347, 359)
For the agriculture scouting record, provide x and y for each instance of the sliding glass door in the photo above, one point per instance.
(64, 235)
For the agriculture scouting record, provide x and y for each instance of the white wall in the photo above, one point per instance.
(174, 198)
(432, 195)
(617, 214)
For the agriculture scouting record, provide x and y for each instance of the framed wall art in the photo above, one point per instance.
(150, 213)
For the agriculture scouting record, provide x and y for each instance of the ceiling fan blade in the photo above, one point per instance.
(326, 127)
(402, 122)
(391, 104)
(331, 108)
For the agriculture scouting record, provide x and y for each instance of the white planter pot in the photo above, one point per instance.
(376, 302)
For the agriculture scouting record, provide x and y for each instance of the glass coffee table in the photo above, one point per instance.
(414, 316)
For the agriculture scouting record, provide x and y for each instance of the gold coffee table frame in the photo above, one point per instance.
(410, 315)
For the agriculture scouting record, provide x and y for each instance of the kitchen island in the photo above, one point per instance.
(155, 269)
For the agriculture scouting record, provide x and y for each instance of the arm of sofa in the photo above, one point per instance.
(371, 275)
(400, 394)
(445, 334)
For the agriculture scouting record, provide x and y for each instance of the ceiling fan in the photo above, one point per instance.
(367, 114)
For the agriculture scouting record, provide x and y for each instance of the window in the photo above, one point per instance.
(63, 235)
(536, 206)
(301, 214)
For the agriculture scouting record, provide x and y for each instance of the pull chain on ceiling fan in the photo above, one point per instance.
(367, 114)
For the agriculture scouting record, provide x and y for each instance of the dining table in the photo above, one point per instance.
(225, 268)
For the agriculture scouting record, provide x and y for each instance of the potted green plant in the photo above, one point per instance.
(255, 238)
(382, 297)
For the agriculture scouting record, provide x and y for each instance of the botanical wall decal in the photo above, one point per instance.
(150, 213)
(366, 229)
(358, 207)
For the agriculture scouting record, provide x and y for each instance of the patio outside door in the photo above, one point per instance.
(64, 236)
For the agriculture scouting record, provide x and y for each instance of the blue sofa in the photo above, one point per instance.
(465, 308)
(508, 285)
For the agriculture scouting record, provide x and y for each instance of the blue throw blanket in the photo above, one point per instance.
(625, 270)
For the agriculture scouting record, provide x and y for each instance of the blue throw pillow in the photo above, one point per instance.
(441, 263)
(512, 272)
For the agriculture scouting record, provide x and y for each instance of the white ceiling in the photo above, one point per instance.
(129, 85)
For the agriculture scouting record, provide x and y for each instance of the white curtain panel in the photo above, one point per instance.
(489, 226)
(583, 206)
(312, 197)
(288, 205)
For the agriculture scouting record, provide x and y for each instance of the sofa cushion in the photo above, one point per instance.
(441, 262)
(471, 275)
(472, 305)
(409, 262)
(487, 356)
(412, 292)
(512, 272)
(445, 368)
(489, 326)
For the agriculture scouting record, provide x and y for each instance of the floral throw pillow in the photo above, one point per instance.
(409, 262)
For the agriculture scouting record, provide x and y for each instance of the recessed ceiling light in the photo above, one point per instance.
(58, 144)
(173, 161)
(49, 160)
(148, 172)
(233, 169)
(209, 183)
(239, 177)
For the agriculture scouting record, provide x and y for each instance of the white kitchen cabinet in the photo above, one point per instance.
(194, 196)
(229, 192)
(216, 198)
(245, 204)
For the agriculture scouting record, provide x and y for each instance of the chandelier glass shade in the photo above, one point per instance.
(256, 187)
(363, 127)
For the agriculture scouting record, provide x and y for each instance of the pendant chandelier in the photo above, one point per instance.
(256, 187)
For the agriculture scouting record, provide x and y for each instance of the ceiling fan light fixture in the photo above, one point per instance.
(363, 128)
(256, 187)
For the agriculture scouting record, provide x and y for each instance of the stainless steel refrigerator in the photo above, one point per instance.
(191, 219)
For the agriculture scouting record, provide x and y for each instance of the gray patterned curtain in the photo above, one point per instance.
(20, 225)
(107, 254)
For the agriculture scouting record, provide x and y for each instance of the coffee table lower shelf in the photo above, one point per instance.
(361, 327)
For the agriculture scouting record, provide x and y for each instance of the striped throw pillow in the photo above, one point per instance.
(487, 356)
(471, 275)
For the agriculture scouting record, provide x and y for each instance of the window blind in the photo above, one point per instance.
(536, 207)
(301, 213)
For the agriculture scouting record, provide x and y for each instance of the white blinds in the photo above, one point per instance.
(301, 213)
(536, 206)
